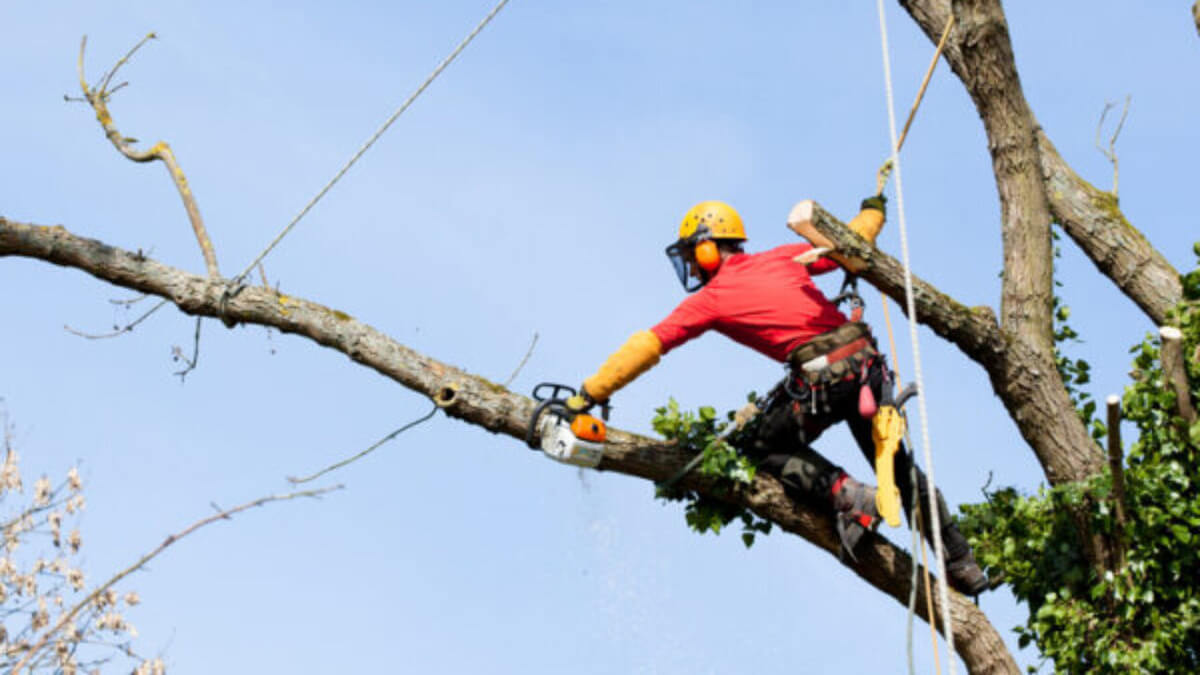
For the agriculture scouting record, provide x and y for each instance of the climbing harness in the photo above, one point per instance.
(849, 294)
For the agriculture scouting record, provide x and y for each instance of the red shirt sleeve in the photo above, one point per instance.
(691, 318)
(821, 266)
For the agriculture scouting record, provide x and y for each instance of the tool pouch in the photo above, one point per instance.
(826, 344)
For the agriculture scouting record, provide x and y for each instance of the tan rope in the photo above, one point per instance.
(886, 169)
(371, 141)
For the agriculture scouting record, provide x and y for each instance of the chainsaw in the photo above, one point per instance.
(564, 435)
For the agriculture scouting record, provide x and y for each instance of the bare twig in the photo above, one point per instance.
(1196, 15)
(107, 77)
(1175, 371)
(98, 97)
(1111, 151)
(130, 302)
(67, 617)
(344, 462)
(177, 354)
(115, 89)
(120, 331)
(524, 360)
(1116, 464)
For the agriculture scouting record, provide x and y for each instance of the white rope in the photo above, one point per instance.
(943, 590)
(371, 141)
(916, 577)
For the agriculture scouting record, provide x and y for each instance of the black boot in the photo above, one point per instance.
(963, 573)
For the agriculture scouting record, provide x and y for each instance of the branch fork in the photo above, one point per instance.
(98, 97)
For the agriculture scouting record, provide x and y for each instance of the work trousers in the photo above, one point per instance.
(797, 414)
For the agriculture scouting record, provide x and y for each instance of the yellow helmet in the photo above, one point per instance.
(695, 255)
(722, 221)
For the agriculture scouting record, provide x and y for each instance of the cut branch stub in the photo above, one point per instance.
(1175, 371)
(1116, 464)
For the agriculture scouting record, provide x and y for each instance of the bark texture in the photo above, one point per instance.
(478, 401)
(1023, 376)
(1093, 221)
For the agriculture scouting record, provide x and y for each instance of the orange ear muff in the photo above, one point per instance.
(707, 255)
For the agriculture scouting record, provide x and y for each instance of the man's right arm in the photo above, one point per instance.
(639, 354)
(644, 348)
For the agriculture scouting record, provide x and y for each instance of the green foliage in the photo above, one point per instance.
(1074, 372)
(702, 432)
(1144, 618)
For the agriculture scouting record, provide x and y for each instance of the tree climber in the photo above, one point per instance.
(768, 302)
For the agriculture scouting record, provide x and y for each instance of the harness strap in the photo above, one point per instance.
(824, 361)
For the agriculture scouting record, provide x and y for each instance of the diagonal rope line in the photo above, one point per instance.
(939, 549)
(371, 141)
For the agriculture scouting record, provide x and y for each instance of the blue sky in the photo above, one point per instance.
(530, 190)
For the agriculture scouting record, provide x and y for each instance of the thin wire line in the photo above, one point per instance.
(344, 462)
(366, 146)
(918, 376)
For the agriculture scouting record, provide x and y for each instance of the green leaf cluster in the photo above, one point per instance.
(1145, 617)
(1075, 373)
(729, 471)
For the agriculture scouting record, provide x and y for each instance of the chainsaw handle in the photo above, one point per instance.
(556, 394)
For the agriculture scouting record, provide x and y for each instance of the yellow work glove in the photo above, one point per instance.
(870, 218)
(639, 353)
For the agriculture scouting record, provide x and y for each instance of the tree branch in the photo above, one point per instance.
(1089, 216)
(1022, 375)
(477, 401)
(1116, 464)
(1175, 372)
(1110, 153)
(992, 81)
(1092, 219)
(98, 98)
(69, 615)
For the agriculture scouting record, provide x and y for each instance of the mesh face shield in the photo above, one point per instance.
(682, 259)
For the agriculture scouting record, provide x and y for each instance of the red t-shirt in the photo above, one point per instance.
(763, 300)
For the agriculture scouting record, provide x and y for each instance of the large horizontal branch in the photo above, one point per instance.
(478, 401)
(1026, 381)
(1090, 216)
